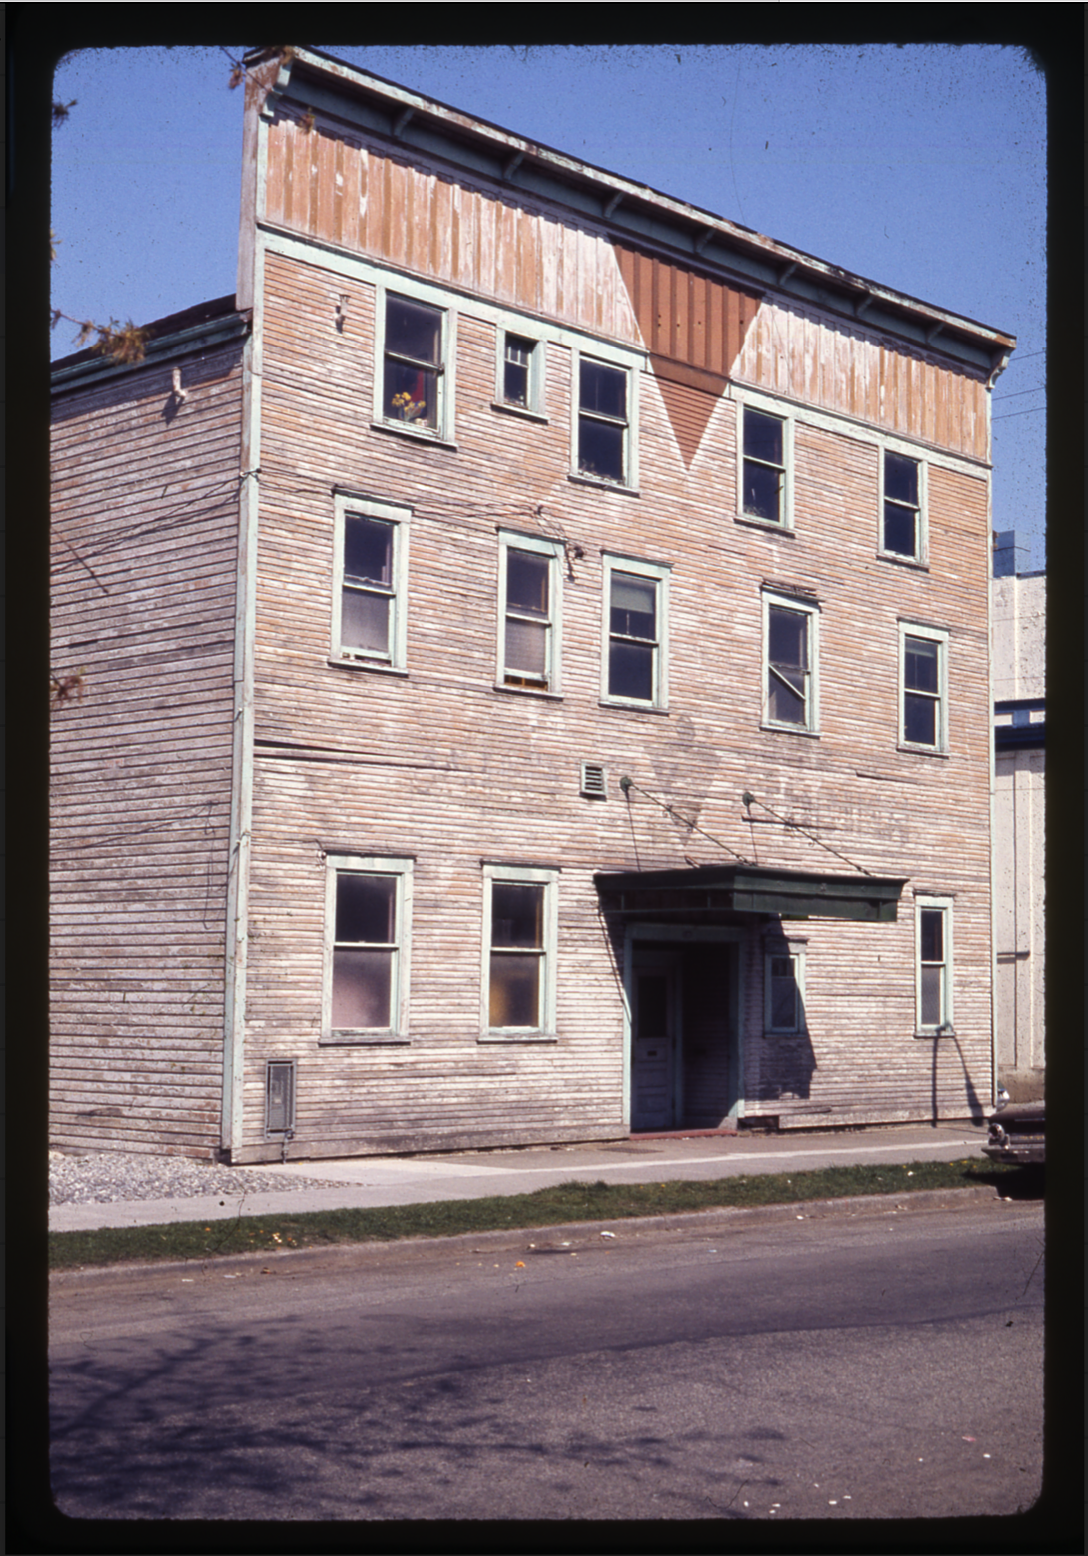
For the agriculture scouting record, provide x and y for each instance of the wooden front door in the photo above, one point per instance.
(653, 1043)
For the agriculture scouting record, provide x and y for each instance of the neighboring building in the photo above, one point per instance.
(1019, 692)
(535, 656)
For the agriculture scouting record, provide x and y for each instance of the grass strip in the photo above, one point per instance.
(566, 1202)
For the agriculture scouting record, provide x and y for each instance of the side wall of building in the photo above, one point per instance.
(144, 557)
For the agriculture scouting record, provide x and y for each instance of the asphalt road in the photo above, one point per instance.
(831, 1364)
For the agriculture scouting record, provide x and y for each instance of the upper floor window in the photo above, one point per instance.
(414, 350)
(903, 511)
(366, 952)
(764, 466)
(790, 663)
(369, 618)
(603, 421)
(529, 594)
(923, 691)
(520, 373)
(636, 606)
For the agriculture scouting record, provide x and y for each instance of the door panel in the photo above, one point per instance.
(653, 1047)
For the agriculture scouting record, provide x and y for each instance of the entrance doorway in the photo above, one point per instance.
(653, 1042)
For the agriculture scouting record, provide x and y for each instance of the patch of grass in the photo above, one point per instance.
(567, 1202)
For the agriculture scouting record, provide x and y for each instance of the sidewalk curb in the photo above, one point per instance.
(800, 1209)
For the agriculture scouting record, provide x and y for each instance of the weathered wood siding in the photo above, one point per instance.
(144, 549)
(441, 765)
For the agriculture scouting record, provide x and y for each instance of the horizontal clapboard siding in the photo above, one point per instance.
(145, 542)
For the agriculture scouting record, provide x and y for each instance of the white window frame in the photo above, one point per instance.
(657, 573)
(368, 508)
(602, 357)
(535, 377)
(940, 636)
(552, 550)
(428, 297)
(401, 869)
(522, 875)
(794, 951)
(777, 412)
(920, 556)
(801, 605)
(944, 1027)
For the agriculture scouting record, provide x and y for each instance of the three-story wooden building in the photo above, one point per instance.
(534, 654)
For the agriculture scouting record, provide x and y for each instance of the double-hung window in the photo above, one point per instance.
(764, 466)
(520, 373)
(784, 988)
(933, 967)
(923, 690)
(790, 643)
(414, 349)
(367, 913)
(371, 566)
(603, 422)
(902, 506)
(520, 927)
(529, 601)
(635, 636)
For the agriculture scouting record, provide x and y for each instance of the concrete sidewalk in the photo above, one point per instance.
(358, 1182)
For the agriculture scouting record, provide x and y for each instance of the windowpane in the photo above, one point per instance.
(526, 647)
(600, 449)
(786, 698)
(932, 935)
(901, 478)
(365, 908)
(527, 582)
(368, 550)
(633, 606)
(603, 390)
(788, 633)
(517, 915)
(514, 993)
(899, 529)
(932, 981)
(921, 662)
(364, 621)
(653, 1005)
(362, 982)
(762, 437)
(411, 393)
(412, 329)
(783, 994)
(631, 671)
(920, 720)
(762, 492)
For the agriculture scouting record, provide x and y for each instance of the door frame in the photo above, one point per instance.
(682, 935)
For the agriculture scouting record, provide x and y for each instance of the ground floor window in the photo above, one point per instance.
(933, 967)
(783, 988)
(367, 914)
(519, 951)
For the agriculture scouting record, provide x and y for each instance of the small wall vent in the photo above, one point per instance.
(279, 1097)
(594, 783)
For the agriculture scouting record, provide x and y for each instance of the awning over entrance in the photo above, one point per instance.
(703, 890)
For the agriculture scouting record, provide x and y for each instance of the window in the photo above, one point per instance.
(367, 911)
(412, 379)
(923, 722)
(933, 976)
(521, 373)
(369, 618)
(783, 988)
(902, 531)
(529, 595)
(519, 946)
(636, 600)
(790, 642)
(764, 466)
(602, 421)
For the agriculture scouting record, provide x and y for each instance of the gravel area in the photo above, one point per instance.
(110, 1177)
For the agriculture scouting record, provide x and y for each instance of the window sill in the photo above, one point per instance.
(601, 483)
(367, 664)
(771, 1034)
(790, 729)
(364, 1040)
(770, 526)
(415, 434)
(918, 564)
(944, 1032)
(518, 1037)
(921, 750)
(526, 412)
(540, 692)
(633, 707)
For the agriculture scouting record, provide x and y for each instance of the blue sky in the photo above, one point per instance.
(922, 167)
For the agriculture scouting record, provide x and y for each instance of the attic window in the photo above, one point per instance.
(594, 783)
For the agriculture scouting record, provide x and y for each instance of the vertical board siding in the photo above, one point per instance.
(145, 493)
